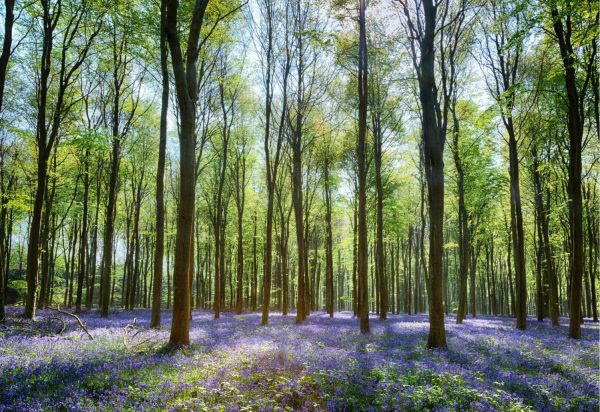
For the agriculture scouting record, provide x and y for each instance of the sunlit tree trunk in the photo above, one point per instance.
(575, 128)
(362, 248)
(160, 173)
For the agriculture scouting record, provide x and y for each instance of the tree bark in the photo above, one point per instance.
(379, 245)
(186, 85)
(362, 249)
(81, 273)
(160, 173)
(518, 239)
(464, 241)
(575, 126)
(433, 145)
(328, 242)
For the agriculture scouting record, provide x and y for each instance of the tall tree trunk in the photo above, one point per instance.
(34, 236)
(272, 160)
(518, 239)
(46, 232)
(379, 246)
(328, 242)
(575, 126)
(71, 270)
(408, 271)
(240, 264)
(83, 248)
(135, 241)
(186, 85)
(296, 143)
(94, 249)
(541, 263)
(433, 146)
(9, 19)
(47, 132)
(592, 228)
(109, 224)
(464, 241)
(254, 283)
(42, 166)
(363, 258)
(160, 173)
(355, 286)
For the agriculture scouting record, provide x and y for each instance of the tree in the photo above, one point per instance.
(240, 182)
(228, 97)
(327, 166)
(464, 239)
(7, 49)
(122, 111)
(62, 23)
(361, 152)
(562, 15)
(187, 81)
(9, 19)
(383, 123)
(267, 49)
(502, 55)
(160, 172)
(296, 143)
(456, 58)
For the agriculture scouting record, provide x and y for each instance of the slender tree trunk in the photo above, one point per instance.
(47, 132)
(379, 246)
(109, 225)
(355, 285)
(94, 250)
(160, 173)
(297, 195)
(575, 123)
(272, 161)
(240, 263)
(592, 227)
(363, 258)
(464, 241)
(34, 237)
(46, 232)
(4, 57)
(83, 248)
(254, 283)
(71, 270)
(42, 169)
(409, 271)
(329, 242)
(9, 19)
(473, 269)
(518, 240)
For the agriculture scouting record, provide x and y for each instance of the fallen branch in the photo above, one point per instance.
(75, 317)
(63, 324)
(127, 328)
(131, 331)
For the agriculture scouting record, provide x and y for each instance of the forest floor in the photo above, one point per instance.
(322, 364)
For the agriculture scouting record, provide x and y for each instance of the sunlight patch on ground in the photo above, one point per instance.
(322, 364)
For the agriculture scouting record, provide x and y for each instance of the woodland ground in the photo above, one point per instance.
(323, 364)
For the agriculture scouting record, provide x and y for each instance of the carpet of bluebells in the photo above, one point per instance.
(324, 364)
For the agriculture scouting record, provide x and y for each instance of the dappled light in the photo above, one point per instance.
(322, 364)
(299, 205)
